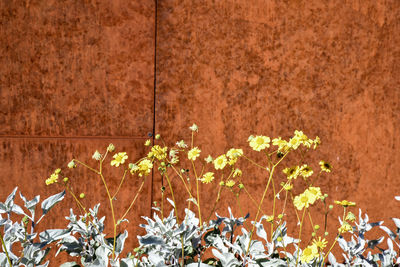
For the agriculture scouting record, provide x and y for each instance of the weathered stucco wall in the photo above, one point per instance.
(77, 76)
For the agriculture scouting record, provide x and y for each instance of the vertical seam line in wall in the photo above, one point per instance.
(154, 98)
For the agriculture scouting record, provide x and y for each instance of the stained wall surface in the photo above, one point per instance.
(329, 68)
(77, 76)
(74, 77)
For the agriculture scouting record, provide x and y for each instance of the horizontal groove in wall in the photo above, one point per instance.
(71, 137)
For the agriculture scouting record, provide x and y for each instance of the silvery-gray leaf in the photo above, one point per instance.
(192, 200)
(128, 262)
(119, 246)
(49, 202)
(373, 243)
(150, 240)
(388, 231)
(260, 231)
(69, 264)
(17, 210)
(171, 202)
(3, 208)
(198, 264)
(10, 199)
(52, 235)
(396, 222)
(44, 265)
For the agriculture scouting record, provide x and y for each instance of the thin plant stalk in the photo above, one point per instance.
(133, 201)
(301, 227)
(112, 213)
(198, 194)
(263, 197)
(120, 184)
(5, 249)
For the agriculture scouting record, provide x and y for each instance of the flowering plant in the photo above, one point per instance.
(203, 237)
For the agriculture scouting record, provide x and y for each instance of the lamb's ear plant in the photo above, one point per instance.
(21, 245)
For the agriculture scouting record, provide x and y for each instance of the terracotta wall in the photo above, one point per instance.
(77, 76)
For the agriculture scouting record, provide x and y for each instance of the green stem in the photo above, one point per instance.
(112, 210)
(133, 201)
(301, 227)
(255, 163)
(120, 184)
(5, 249)
(198, 194)
(326, 255)
(87, 166)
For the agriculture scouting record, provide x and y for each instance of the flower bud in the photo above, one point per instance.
(326, 233)
(280, 216)
(313, 234)
(71, 164)
(110, 148)
(82, 195)
(330, 207)
(65, 179)
(57, 171)
(158, 136)
(316, 227)
(221, 183)
(241, 186)
(279, 239)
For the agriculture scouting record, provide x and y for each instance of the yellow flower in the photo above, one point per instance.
(269, 218)
(133, 168)
(174, 160)
(208, 177)
(52, 179)
(345, 203)
(294, 143)
(158, 152)
(350, 217)
(287, 186)
(313, 193)
(147, 143)
(302, 201)
(292, 172)
(320, 243)
(325, 166)
(306, 171)
(237, 172)
(145, 167)
(119, 158)
(309, 253)
(234, 152)
(283, 145)
(316, 142)
(346, 227)
(259, 142)
(230, 183)
(194, 153)
(220, 162)
(181, 144)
